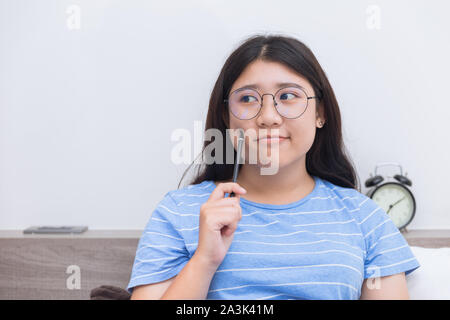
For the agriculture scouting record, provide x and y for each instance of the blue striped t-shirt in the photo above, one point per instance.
(320, 247)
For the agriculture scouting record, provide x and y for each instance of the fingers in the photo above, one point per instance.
(221, 216)
(226, 202)
(229, 229)
(226, 187)
(230, 203)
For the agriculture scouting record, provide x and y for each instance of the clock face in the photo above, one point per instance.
(396, 201)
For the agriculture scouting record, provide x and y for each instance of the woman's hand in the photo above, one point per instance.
(219, 218)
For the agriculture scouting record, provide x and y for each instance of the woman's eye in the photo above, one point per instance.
(247, 99)
(284, 95)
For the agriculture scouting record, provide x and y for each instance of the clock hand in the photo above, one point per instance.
(392, 205)
(398, 201)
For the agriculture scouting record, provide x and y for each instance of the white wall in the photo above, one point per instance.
(86, 120)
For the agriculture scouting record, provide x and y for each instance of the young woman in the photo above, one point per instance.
(305, 232)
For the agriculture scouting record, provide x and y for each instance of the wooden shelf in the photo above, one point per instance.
(88, 234)
(34, 266)
(428, 238)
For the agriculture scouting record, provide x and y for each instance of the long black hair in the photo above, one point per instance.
(327, 156)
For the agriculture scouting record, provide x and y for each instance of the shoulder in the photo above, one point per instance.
(187, 200)
(372, 220)
(357, 204)
(192, 193)
(180, 207)
(350, 197)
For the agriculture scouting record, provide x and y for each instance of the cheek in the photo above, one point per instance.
(303, 138)
(236, 123)
(245, 125)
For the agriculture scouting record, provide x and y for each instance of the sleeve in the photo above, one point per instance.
(161, 252)
(387, 251)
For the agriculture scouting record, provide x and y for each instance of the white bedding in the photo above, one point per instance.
(432, 279)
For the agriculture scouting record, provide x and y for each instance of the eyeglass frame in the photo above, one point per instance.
(274, 101)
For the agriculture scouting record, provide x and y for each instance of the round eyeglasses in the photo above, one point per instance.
(290, 102)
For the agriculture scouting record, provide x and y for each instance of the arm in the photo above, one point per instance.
(218, 220)
(152, 291)
(191, 283)
(384, 288)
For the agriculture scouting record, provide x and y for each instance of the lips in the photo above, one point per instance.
(273, 138)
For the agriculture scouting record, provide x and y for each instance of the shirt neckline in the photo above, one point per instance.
(314, 192)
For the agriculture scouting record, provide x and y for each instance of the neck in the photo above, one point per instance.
(290, 181)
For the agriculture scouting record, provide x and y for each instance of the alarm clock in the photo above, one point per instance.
(394, 198)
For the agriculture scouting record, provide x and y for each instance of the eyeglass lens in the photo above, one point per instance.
(291, 102)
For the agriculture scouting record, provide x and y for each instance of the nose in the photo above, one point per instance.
(268, 115)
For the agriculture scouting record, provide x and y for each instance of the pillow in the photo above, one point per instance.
(431, 281)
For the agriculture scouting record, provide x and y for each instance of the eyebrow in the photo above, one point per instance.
(278, 85)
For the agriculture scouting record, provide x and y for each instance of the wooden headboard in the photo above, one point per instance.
(39, 266)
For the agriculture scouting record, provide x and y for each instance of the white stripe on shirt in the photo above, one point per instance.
(286, 284)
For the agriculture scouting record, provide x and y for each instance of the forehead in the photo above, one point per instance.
(267, 74)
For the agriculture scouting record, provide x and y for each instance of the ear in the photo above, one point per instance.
(320, 115)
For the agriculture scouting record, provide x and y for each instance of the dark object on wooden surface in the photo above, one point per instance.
(110, 293)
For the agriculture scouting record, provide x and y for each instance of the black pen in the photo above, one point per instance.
(238, 157)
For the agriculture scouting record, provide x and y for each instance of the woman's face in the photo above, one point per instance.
(300, 132)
